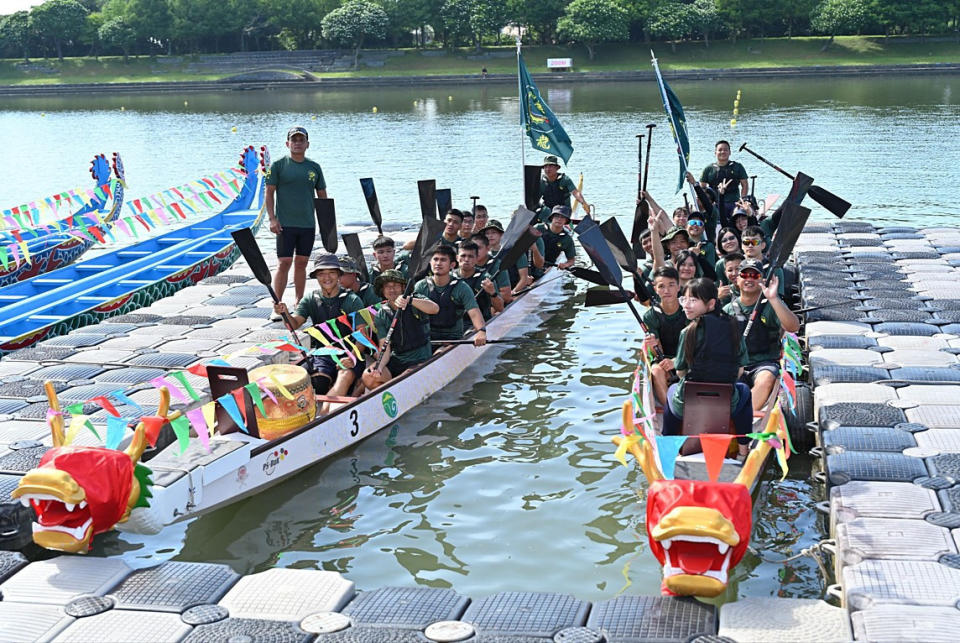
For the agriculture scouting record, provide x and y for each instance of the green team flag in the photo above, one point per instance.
(678, 124)
(541, 125)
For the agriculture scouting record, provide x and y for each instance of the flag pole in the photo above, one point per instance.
(666, 106)
(523, 120)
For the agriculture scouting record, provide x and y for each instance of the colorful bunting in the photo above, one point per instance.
(181, 428)
(116, 428)
(152, 425)
(714, 447)
(668, 446)
(199, 423)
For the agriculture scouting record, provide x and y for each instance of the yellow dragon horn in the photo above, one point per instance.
(139, 442)
(751, 466)
(56, 421)
(643, 452)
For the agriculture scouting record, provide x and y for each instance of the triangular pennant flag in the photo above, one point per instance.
(367, 317)
(152, 425)
(714, 447)
(198, 369)
(16, 253)
(782, 461)
(89, 425)
(357, 335)
(121, 397)
(241, 403)
(317, 335)
(669, 448)
(74, 409)
(280, 387)
(181, 428)
(181, 377)
(625, 444)
(263, 387)
(95, 231)
(116, 427)
(4, 257)
(254, 390)
(210, 415)
(76, 422)
(218, 362)
(199, 424)
(165, 381)
(345, 321)
(106, 404)
(230, 406)
(26, 251)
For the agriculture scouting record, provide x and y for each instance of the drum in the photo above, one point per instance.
(285, 415)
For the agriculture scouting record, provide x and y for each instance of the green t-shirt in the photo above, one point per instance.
(296, 185)
(680, 362)
(714, 174)
(655, 323)
(400, 260)
(382, 321)
(319, 309)
(564, 182)
(367, 295)
(770, 326)
(492, 268)
(556, 244)
(709, 250)
(460, 298)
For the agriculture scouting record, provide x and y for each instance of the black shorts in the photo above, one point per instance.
(750, 372)
(324, 365)
(396, 367)
(297, 241)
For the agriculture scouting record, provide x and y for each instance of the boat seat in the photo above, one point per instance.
(90, 299)
(706, 409)
(133, 253)
(171, 240)
(51, 281)
(92, 267)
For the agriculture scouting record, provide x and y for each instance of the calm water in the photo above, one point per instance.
(505, 480)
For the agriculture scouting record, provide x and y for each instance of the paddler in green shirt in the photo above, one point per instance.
(410, 342)
(556, 239)
(291, 184)
(386, 258)
(488, 299)
(727, 177)
(556, 188)
(698, 242)
(452, 223)
(454, 298)
(350, 279)
(519, 273)
(491, 266)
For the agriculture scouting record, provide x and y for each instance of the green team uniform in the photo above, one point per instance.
(319, 309)
(680, 363)
(709, 251)
(453, 244)
(368, 295)
(666, 328)
(492, 268)
(554, 244)
(382, 321)
(713, 175)
(296, 185)
(763, 343)
(513, 274)
(555, 193)
(454, 300)
(400, 260)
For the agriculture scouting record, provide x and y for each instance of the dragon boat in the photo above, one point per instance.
(123, 280)
(51, 246)
(78, 492)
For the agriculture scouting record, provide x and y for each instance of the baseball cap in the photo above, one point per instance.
(551, 160)
(297, 129)
(751, 264)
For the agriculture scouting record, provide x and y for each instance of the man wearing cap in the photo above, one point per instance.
(727, 177)
(519, 273)
(761, 360)
(556, 239)
(556, 188)
(483, 288)
(410, 343)
(754, 244)
(325, 305)
(350, 279)
(453, 296)
(292, 182)
(696, 224)
(386, 258)
(491, 267)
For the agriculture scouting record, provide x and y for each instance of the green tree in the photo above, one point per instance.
(455, 15)
(839, 16)
(15, 34)
(488, 18)
(671, 21)
(539, 19)
(744, 17)
(353, 23)
(118, 33)
(58, 21)
(590, 22)
(297, 24)
(151, 22)
(705, 18)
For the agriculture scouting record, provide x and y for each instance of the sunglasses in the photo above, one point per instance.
(695, 224)
(750, 243)
(726, 239)
(750, 274)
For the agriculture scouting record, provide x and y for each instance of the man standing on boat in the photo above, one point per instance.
(410, 342)
(293, 181)
(324, 306)
(453, 296)
(728, 178)
(557, 188)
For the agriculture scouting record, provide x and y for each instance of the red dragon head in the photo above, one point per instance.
(698, 530)
(79, 492)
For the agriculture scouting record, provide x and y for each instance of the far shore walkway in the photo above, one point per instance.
(244, 82)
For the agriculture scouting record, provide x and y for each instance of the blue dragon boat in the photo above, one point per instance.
(123, 280)
(56, 245)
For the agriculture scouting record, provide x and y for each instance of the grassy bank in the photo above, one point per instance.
(767, 53)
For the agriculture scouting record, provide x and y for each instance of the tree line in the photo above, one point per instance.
(95, 27)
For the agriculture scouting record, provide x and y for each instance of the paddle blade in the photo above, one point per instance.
(373, 204)
(604, 297)
(351, 242)
(833, 204)
(586, 274)
(444, 202)
(327, 220)
(640, 216)
(531, 186)
(428, 198)
(430, 231)
(520, 246)
(792, 220)
(251, 252)
(619, 245)
(591, 238)
(801, 184)
(521, 219)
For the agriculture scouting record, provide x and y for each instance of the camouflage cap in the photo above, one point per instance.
(551, 160)
(388, 276)
(347, 264)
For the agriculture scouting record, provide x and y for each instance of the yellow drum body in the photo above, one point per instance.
(285, 415)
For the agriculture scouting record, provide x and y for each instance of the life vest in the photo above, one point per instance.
(670, 330)
(723, 172)
(553, 193)
(716, 357)
(450, 311)
(483, 298)
(761, 339)
(410, 332)
(552, 245)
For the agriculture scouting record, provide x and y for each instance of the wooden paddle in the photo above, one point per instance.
(373, 204)
(516, 340)
(603, 297)
(251, 252)
(351, 241)
(623, 253)
(587, 275)
(428, 198)
(833, 203)
(327, 221)
(444, 203)
(531, 186)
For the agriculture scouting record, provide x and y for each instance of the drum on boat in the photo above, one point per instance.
(284, 415)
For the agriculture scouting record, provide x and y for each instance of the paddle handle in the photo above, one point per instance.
(393, 324)
(287, 321)
(744, 148)
(760, 302)
(646, 168)
(639, 165)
